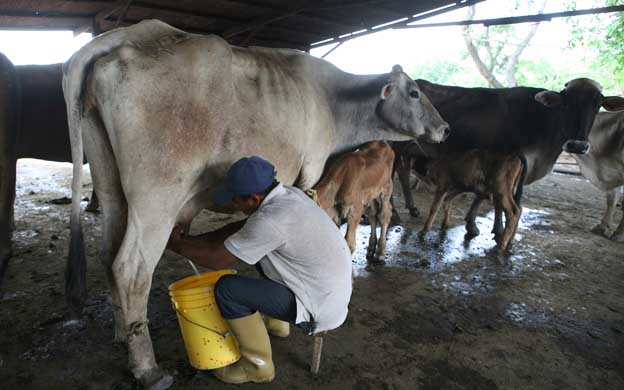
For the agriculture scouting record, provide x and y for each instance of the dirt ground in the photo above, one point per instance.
(440, 314)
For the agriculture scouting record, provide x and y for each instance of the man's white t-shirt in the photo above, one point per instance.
(299, 246)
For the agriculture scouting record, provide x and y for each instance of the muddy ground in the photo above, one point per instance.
(440, 314)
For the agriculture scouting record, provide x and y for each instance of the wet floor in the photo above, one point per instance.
(438, 313)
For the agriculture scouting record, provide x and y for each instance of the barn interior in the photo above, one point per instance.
(438, 313)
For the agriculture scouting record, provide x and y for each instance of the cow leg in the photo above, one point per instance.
(471, 226)
(446, 209)
(9, 126)
(94, 203)
(618, 235)
(384, 215)
(7, 201)
(353, 219)
(403, 169)
(435, 206)
(106, 179)
(143, 243)
(372, 213)
(603, 227)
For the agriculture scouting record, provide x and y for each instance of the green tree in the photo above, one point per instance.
(496, 50)
(604, 40)
(448, 73)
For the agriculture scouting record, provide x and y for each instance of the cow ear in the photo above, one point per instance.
(386, 91)
(613, 103)
(549, 98)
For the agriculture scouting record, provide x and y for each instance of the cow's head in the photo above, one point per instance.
(581, 99)
(406, 109)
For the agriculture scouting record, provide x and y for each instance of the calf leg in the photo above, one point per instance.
(603, 227)
(384, 215)
(403, 169)
(512, 212)
(446, 209)
(372, 213)
(497, 229)
(353, 219)
(471, 226)
(435, 206)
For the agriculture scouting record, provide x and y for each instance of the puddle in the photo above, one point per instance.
(521, 313)
(406, 247)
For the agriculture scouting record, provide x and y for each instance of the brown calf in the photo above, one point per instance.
(486, 174)
(360, 181)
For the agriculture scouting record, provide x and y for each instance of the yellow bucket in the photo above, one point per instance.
(207, 338)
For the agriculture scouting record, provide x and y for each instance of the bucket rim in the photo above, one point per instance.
(195, 281)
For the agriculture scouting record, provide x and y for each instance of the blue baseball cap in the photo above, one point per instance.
(249, 175)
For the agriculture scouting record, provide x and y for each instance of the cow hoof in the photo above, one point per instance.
(600, 230)
(92, 208)
(156, 379)
(414, 212)
(472, 231)
(5, 255)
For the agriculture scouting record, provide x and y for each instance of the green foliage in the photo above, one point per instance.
(449, 73)
(603, 38)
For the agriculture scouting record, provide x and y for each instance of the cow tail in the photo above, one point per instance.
(76, 268)
(74, 76)
(520, 186)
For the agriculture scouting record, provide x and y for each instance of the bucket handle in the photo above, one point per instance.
(224, 335)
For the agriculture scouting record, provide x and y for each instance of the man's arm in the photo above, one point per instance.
(207, 250)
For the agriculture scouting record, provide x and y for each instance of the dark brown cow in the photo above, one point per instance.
(532, 122)
(486, 174)
(360, 181)
(33, 124)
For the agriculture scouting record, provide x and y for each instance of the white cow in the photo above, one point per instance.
(604, 166)
(163, 114)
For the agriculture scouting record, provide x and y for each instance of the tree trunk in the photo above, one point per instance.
(510, 72)
(474, 53)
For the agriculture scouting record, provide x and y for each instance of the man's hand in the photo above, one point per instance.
(176, 238)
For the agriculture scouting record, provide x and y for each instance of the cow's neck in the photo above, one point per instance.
(542, 159)
(354, 100)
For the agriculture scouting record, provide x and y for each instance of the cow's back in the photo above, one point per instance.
(244, 101)
(43, 133)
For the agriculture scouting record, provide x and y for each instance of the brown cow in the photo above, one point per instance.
(484, 173)
(360, 181)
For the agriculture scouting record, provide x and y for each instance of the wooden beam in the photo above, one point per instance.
(297, 10)
(398, 24)
(123, 13)
(535, 18)
(41, 22)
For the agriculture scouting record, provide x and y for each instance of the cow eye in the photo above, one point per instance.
(414, 94)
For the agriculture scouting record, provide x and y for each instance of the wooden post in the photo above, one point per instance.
(316, 354)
